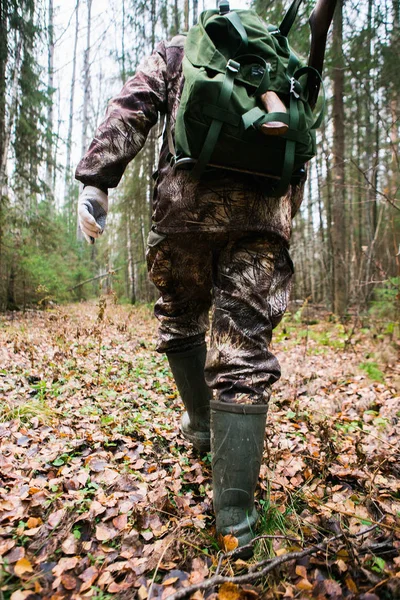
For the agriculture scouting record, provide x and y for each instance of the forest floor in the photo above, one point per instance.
(101, 497)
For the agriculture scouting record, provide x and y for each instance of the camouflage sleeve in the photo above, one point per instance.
(128, 120)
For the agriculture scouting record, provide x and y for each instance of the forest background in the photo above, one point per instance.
(60, 63)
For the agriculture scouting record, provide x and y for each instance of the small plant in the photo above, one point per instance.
(26, 411)
(373, 371)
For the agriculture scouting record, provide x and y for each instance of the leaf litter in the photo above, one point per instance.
(101, 497)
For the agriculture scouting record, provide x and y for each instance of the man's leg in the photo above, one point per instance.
(180, 267)
(251, 291)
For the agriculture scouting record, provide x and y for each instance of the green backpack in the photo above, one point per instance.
(231, 59)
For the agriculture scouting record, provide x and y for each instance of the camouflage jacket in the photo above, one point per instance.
(221, 201)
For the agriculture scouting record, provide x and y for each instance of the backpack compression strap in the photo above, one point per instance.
(232, 69)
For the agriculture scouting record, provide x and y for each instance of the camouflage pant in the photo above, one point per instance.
(246, 281)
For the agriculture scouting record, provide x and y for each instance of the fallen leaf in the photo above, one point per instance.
(21, 595)
(301, 571)
(304, 584)
(32, 522)
(104, 533)
(23, 565)
(142, 593)
(229, 543)
(229, 591)
(65, 564)
(120, 522)
(70, 545)
(15, 555)
(69, 581)
(170, 581)
(88, 577)
(6, 545)
(56, 517)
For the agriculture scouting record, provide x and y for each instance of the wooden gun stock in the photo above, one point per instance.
(320, 21)
(272, 103)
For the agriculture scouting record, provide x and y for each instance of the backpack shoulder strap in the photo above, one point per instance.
(289, 18)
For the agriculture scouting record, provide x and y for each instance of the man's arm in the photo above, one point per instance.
(128, 120)
(320, 20)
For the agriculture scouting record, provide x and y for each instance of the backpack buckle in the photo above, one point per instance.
(224, 7)
(233, 66)
(294, 84)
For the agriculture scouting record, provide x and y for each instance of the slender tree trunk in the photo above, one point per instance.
(176, 17)
(50, 110)
(12, 113)
(123, 72)
(131, 272)
(86, 80)
(153, 17)
(67, 179)
(338, 208)
(186, 14)
(3, 87)
(310, 246)
(86, 91)
(195, 11)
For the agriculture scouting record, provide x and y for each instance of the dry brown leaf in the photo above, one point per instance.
(104, 533)
(341, 565)
(197, 595)
(229, 591)
(170, 581)
(108, 476)
(69, 581)
(97, 465)
(21, 594)
(88, 577)
(105, 579)
(142, 593)
(6, 545)
(351, 585)
(56, 517)
(288, 592)
(120, 522)
(301, 571)
(33, 522)
(23, 565)
(15, 555)
(229, 542)
(70, 545)
(65, 564)
(304, 584)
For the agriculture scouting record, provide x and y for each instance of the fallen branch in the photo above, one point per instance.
(254, 576)
(111, 272)
(218, 579)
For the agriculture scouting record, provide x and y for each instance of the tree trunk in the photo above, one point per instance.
(153, 18)
(3, 64)
(186, 14)
(50, 110)
(338, 208)
(131, 273)
(195, 11)
(86, 80)
(67, 179)
(86, 91)
(176, 18)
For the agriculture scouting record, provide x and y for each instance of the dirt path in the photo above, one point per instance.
(100, 496)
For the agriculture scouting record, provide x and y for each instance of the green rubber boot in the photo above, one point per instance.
(237, 442)
(188, 371)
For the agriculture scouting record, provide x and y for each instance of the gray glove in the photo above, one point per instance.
(92, 212)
